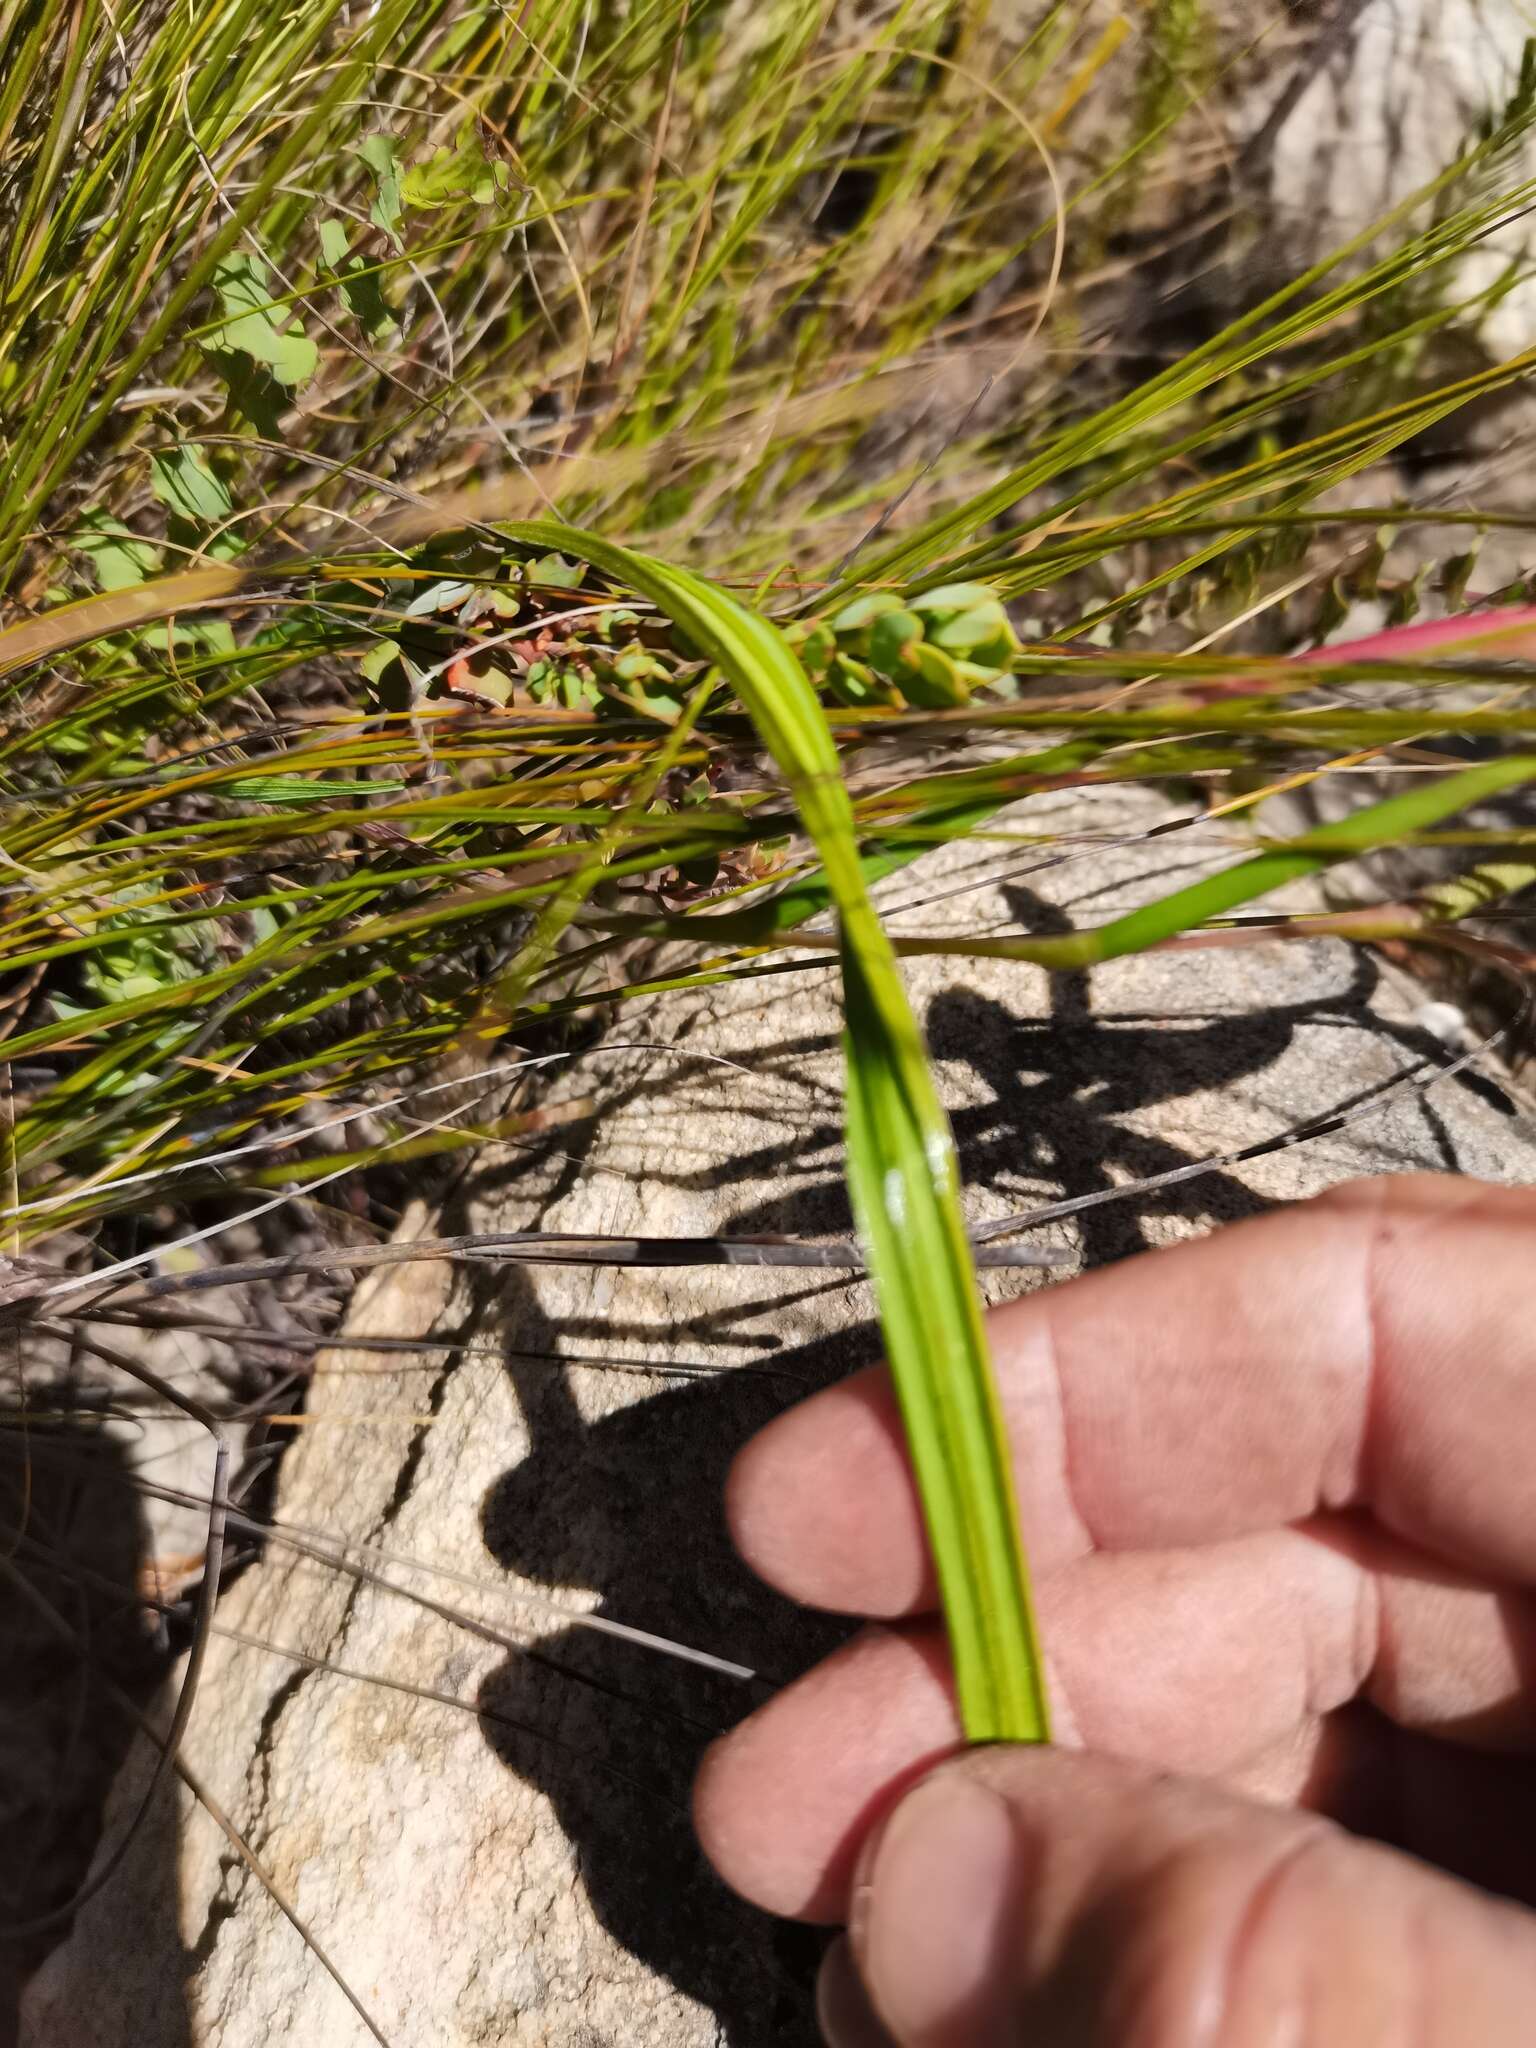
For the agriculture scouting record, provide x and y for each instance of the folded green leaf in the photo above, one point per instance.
(450, 175)
(902, 1173)
(382, 157)
(357, 281)
(182, 480)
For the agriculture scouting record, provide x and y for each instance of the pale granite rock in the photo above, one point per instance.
(1391, 93)
(528, 1876)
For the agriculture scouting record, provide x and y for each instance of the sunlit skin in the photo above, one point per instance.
(1279, 1492)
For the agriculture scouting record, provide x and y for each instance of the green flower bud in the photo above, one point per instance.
(851, 682)
(862, 612)
(892, 639)
(853, 625)
(636, 665)
(815, 643)
(935, 681)
(969, 621)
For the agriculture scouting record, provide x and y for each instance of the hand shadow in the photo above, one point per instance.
(632, 1504)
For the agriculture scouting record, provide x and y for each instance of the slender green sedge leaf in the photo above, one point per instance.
(1377, 825)
(293, 789)
(902, 1173)
(1384, 824)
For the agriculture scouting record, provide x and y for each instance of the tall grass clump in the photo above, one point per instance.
(475, 476)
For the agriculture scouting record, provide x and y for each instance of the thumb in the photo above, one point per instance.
(1053, 1897)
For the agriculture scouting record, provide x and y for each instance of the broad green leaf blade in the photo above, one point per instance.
(901, 1172)
(382, 156)
(119, 557)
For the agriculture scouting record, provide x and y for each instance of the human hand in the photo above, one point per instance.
(1278, 1488)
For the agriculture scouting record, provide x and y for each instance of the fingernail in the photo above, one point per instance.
(843, 2011)
(934, 1921)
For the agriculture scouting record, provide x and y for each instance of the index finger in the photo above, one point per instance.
(1375, 1347)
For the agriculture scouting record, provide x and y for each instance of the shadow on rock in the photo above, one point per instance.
(629, 1504)
(71, 1532)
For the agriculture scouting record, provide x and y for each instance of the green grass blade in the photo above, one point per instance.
(902, 1172)
(1389, 823)
(1380, 824)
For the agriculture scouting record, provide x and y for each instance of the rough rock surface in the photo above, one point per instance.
(1387, 96)
(526, 1874)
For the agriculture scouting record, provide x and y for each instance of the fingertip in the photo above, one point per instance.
(782, 1803)
(759, 1817)
(727, 1830)
(820, 1503)
(940, 1903)
(762, 1485)
(768, 1839)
